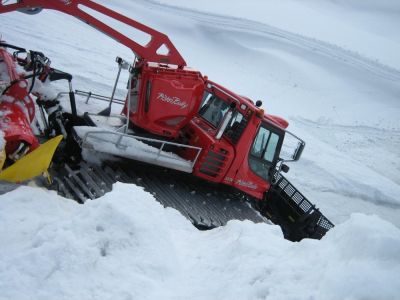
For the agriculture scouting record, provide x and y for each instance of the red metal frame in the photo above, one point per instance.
(71, 7)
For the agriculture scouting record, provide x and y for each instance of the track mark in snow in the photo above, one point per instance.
(313, 45)
(349, 187)
(375, 148)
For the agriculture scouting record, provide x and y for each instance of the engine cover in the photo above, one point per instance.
(164, 98)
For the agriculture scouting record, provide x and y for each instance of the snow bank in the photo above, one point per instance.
(4, 78)
(125, 245)
(56, 248)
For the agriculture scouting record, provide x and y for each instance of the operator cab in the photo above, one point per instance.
(265, 148)
(241, 144)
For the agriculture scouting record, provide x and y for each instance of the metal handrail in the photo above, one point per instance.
(119, 144)
(90, 95)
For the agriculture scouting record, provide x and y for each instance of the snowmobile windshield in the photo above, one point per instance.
(263, 153)
(213, 109)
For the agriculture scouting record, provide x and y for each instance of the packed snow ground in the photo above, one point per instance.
(124, 247)
(331, 67)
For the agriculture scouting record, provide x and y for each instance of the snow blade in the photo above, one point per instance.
(288, 208)
(2, 158)
(32, 164)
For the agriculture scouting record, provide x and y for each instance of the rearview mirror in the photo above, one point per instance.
(292, 147)
(299, 151)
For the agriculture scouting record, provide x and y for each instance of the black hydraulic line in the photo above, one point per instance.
(73, 104)
(6, 45)
(14, 82)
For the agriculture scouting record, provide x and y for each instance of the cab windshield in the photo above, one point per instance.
(263, 153)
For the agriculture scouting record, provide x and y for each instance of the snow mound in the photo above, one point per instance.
(125, 245)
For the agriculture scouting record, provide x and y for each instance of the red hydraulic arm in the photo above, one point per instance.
(159, 49)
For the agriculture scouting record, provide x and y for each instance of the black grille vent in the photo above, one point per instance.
(213, 162)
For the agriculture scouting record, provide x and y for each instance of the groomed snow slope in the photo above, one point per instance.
(330, 67)
(127, 246)
(367, 27)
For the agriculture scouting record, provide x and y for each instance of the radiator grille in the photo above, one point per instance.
(214, 162)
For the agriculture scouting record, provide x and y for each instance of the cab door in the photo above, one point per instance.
(263, 154)
(254, 176)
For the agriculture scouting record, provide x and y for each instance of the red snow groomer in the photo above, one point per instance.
(195, 145)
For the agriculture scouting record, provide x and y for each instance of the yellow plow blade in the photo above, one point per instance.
(32, 164)
(2, 158)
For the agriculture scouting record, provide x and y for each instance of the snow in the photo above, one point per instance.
(365, 27)
(44, 89)
(4, 73)
(332, 68)
(108, 249)
(7, 98)
(4, 78)
(2, 141)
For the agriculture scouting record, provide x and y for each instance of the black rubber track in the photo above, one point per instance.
(206, 205)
